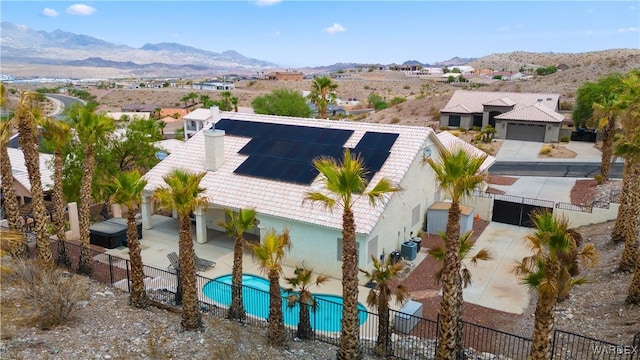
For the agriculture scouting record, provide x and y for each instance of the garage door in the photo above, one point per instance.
(525, 132)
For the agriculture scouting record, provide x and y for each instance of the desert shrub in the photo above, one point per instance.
(50, 295)
(565, 139)
(475, 128)
(406, 87)
(546, 149)
(444, 128)
(599, 179)
(395, 120)
(397, 100)
(366, 87)
(359, 117)
(251, 83)
(434, 112)
(566, 105)
(455, 133)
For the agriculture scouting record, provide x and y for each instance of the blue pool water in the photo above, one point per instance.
(255, 295)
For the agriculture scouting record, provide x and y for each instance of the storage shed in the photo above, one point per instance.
(438, 213)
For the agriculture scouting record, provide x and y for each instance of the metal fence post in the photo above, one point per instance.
(110, 270)
(553, 344)
(128, 277)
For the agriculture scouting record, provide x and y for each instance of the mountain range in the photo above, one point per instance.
(21, 45)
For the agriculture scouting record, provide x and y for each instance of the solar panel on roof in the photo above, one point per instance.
(377, 141)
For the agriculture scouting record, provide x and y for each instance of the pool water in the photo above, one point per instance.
(255, 295)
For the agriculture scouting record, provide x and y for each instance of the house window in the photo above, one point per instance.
(454, 120)
(415, 215)
(372, 248)
(477, 120)
(340, 246)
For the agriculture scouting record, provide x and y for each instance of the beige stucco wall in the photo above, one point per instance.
(577, 218)
(483, 206)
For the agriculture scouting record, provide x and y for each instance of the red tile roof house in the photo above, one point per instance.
(265, 162)
(516, 116)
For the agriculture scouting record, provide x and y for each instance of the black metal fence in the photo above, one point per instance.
(414, 338)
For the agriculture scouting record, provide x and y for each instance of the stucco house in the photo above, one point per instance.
(516, 116)
(265, 162)
(21, 183)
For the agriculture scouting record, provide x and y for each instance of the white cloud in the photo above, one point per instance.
(630, 29)
(267, 2)
(335, 28)
(632, 8)
(49, 12)
(80, 9)
(275, 33)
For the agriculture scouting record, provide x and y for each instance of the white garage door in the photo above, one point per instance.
(525, 132)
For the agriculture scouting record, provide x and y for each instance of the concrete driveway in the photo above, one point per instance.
(494, 284)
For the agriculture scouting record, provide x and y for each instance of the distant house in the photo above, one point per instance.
(138, 108)
(288, 76)
(515, 116)
(214, 85)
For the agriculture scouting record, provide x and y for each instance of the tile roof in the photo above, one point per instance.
(474, 100)
(20, 173)
(452, 142)
(198, 114)
(285, 200)
(459, 108)
(535, 112)
(504, 101)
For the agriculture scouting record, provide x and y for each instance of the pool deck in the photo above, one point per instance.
(162, 239)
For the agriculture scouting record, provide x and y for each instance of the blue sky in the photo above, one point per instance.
(312, 33)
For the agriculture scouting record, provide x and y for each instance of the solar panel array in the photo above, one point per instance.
(285, 152)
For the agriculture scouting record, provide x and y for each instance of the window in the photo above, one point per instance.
(340, 245)
(415, 215)
(454, 120)
(477, 120)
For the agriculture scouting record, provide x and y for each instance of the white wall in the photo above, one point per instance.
(396, 226)
(483, 206)
(577, 218)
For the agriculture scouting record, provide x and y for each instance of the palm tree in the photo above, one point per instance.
(91, 129)
(458, 175)
(10, 200)
(633, 295)
(269, 255)
(184, 194)
(627, 223)
(226, 101)
(323, 93)
(234, 102)
(126, 189)
(345, 182)
(300, 293)
(26, 117)
(543, 271)
(383, 275)
(57, 135)
(235, 226)
(605, 113)
(466, 244)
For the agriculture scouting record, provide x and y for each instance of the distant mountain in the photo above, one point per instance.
(23, 45)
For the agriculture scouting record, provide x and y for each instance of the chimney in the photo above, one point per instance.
(213, 148)
(215, 114)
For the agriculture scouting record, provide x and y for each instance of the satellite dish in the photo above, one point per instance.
(426, 152)
(161, 155)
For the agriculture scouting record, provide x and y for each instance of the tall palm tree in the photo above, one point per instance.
(345, 182)
(127, 188)
(300, 293)
(56, 135)
(234, 102)
(8, 191)
(605, 113)
(466, 244)
(184, 194)
(633, 295)
(91, 128)
(26, 117)
(226, 101)
(323, 93)
(269, 255)
(235, 226)
(384, 275)
(627, 222)
(458, 175)
(542, 272)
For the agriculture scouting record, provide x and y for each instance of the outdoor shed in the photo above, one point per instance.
(438, 213)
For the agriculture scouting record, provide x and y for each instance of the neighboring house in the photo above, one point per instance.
(288, 75)
(265, 162)
(463, 68)
(195, 121)
(21, 183)
(214, 85)
(516, 116)
(138, 108)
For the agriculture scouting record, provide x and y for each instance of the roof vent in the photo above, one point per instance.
(548, 99)
(539, 100)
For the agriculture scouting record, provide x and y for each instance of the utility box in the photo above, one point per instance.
(409, 250)
(407, 317)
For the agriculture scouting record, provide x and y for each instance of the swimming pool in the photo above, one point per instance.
(255, 296)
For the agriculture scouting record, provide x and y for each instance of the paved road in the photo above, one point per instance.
(65, 100)
(553, 169)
